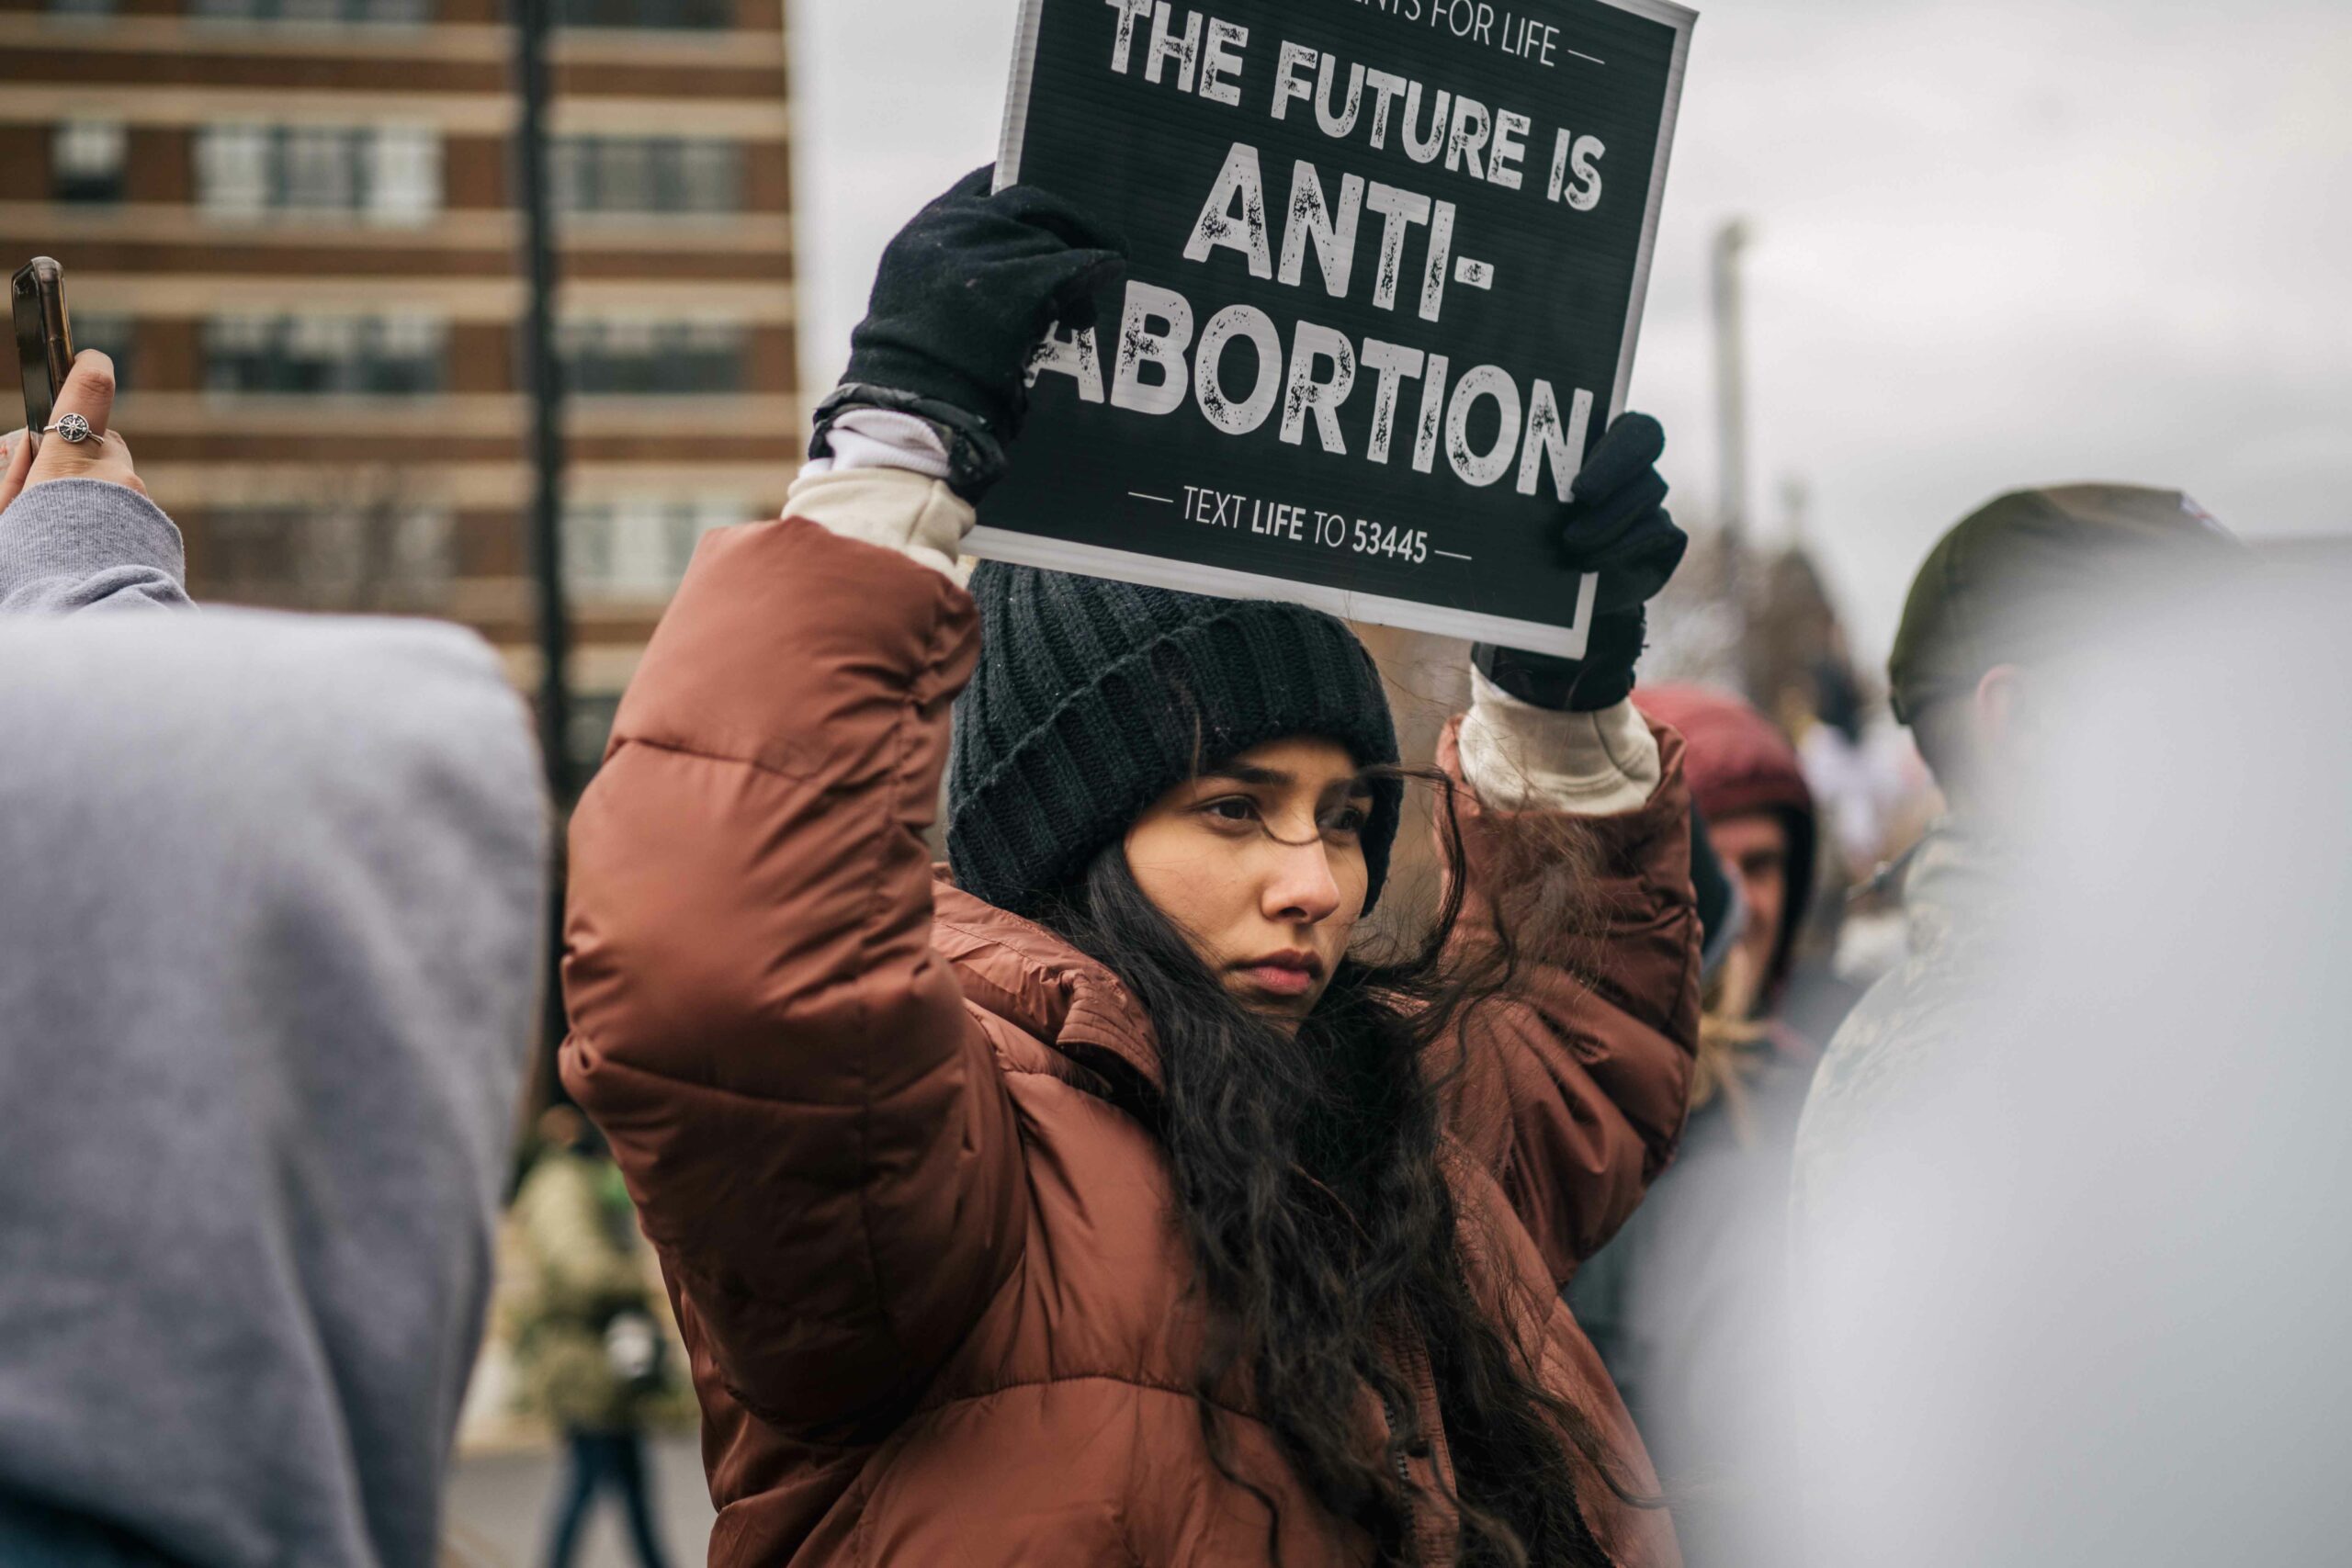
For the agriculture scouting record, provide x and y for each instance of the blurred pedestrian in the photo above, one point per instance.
(2076, 1293)
(2010, 590)
(269, 929)
(586, 1340)
(1108, 1204)
(1761, 817)
(1688, 1305)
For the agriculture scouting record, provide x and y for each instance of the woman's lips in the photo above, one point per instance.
(1281, 979)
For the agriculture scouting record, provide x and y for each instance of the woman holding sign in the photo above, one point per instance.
(1108, 1204)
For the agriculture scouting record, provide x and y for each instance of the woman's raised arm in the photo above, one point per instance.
(1577, 1084)
(1575, 1093)
(812, 1124)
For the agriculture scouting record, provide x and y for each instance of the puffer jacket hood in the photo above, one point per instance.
(1739, 763)
(924, 1254)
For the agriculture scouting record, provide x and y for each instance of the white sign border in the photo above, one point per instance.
(1190, 576)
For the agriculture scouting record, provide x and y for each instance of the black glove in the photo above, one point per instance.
(1615, 525)
(965, 294)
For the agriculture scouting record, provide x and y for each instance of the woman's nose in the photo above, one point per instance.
(1302, 887)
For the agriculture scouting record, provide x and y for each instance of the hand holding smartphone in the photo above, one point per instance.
(75, 401)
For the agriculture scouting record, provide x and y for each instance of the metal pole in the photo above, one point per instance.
(1731, 390)
(546, 383)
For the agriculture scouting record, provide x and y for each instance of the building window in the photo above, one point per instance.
(638, 550)
(402, 12)
(647, 174)
(320, 167)
(643, 358)
(388, 175)
(673, 14)
(377, 355)
(86, 159)
(381, 552)
(114, 337)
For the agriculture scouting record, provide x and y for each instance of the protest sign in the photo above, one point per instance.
(1387, 265)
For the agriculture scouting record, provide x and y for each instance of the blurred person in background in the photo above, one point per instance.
(587, 1343)
(270, 929)
(1687, 1305)
(2010, 590)
(1874, 801)
(1864, 774)
(1763, 820)
(2076, 1294)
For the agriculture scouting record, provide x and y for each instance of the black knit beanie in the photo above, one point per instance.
(1093, 699)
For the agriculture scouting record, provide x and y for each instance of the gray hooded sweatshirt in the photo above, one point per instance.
(271, 897)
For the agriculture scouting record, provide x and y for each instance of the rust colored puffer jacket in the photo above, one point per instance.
(935, 1302)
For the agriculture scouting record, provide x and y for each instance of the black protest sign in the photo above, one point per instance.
(1388, 260)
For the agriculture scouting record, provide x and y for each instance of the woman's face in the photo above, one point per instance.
(1260, 862)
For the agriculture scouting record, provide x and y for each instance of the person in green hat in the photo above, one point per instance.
(2009, 593)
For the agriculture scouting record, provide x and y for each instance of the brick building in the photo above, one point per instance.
(290, 222)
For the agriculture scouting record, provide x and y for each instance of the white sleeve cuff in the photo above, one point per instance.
(895, 508)
(1520, 757)
(882, 438)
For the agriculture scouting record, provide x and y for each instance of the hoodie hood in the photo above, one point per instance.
(269, 937)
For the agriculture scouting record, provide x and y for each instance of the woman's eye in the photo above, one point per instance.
(1346, 819)
(1232, 808)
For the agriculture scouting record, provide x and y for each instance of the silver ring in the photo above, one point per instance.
(73, 428)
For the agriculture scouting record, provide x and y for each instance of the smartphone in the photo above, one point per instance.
(44, 339)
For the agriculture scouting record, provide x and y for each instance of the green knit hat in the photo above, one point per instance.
(1093, 699)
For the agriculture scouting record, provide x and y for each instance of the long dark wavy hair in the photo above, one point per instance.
(1310, 1170)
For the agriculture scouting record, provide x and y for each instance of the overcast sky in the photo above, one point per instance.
(2003, 242)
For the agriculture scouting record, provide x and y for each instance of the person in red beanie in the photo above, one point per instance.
(1686, 1304)
(1751, 788)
